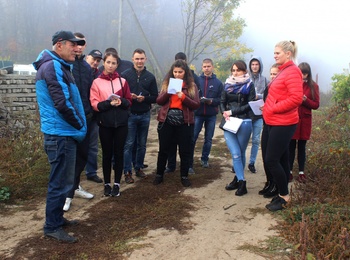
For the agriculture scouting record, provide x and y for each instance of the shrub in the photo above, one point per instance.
(24, 162)
(318, 220)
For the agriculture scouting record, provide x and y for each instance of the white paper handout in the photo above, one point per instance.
(175, 85)
(255, 106)
(113, 97)
(233, 124)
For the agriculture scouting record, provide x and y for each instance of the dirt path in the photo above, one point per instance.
(222, 223)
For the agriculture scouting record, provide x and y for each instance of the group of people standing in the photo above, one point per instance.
(286, 120)
(112, 103)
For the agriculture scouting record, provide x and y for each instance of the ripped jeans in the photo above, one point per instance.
(237, 144)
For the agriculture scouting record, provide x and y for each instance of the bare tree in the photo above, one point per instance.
(211, 28)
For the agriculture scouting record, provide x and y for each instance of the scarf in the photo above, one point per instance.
(238, 85)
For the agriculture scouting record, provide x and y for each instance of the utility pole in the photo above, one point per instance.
(158, 70)
(119, 40)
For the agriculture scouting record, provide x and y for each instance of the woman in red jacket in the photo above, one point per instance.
(280, 114)
(180, 126)
(311, 100)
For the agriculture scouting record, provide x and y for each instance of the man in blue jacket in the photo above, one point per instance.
(63, 124)
(210, 94)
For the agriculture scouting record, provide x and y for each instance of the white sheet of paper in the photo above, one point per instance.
(175, 85)
(255, 106)
(233, 124)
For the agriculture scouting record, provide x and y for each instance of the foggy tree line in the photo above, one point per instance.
(161, 27)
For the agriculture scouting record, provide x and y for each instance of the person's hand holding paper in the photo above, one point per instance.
(175, 86)
(255, 106)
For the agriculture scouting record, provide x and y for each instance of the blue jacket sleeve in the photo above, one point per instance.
(61, 94)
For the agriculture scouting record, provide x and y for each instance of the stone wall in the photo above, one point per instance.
(17, 93)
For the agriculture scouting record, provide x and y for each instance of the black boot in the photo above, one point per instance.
(272, 192)
(233, 184)
(242, 189)
(266, 188)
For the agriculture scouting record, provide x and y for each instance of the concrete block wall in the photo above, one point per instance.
(17, 93)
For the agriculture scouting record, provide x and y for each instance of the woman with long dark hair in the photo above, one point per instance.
(176, 120)
(311, 100)
(238, 91)
(110, 97)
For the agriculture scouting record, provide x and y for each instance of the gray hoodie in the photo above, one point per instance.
(260, 82)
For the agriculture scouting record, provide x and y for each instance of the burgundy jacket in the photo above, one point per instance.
(303, 130)
(285, 96)
(188, 105)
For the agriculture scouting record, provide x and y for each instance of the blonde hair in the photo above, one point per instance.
(289, 46)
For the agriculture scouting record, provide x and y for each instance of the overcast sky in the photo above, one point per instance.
(321, 30)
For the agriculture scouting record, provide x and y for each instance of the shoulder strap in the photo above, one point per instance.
(122, 86)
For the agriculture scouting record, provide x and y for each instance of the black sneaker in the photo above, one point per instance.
(158, 180)
(95, 178)
(108, 190)
(251, 168)
(185, 182)
(169, 170)
(67, 223)
(61, 235)
(277, 204)
(115, 191)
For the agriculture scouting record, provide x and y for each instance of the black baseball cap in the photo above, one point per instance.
(96, 54)
(66, 36)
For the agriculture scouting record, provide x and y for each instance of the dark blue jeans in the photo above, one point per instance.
(91, 165)
(137, 130)
(61, 152)
(209, 128)
(81, 157)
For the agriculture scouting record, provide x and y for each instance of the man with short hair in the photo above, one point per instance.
(255, 70)
(63, 123)
(93, 59)
(83, 77)
(122, 64)
(144, 92)
(210, 93)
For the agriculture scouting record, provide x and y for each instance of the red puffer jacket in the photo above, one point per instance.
(285, 96)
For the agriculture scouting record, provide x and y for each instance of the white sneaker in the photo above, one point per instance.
(66, 206)
(83, 193)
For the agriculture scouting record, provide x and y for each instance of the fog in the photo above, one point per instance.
(320, 29)
(154, 25)
(157, 27)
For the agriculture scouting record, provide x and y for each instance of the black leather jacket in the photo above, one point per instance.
(238, 103)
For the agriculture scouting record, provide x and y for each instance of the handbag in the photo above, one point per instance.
(233, 124)
(175, 117)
